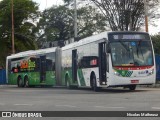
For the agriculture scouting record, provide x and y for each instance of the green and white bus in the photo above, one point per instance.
(33, 68)
(109, 59)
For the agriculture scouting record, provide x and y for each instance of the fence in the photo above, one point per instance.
(157, 58)
(2, 76)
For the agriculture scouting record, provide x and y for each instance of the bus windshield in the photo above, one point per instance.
(131, 53)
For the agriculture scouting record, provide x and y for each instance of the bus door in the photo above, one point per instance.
(102, 63)
(74, 65)
(42, 68)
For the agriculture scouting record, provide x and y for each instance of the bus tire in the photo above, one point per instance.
(20, 82)
(94, 84)
(132, 87)
(67, 82)
(26, 82)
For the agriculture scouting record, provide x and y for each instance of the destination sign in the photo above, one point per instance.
(130, 37)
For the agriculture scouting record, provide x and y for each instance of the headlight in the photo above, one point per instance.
(151, 72)
(116, 73)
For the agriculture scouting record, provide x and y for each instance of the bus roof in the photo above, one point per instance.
(32, 52)
(97, 37)
(86, 40)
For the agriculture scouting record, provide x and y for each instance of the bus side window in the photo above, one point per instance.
(88, 62)
(113, 55)
(83, 62)
(53, 66)
(12, 70)
(18, 67)
(9, 66)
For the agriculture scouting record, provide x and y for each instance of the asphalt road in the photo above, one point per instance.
(62, 99)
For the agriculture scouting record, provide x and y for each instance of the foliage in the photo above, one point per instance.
(124, 14)
(57, 23)
(25, 13)
(156, 43)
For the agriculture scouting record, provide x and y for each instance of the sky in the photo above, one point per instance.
(47, 3)
(154, 30)
(43, 4)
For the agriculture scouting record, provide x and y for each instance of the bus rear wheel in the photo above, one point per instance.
(132, 87)
(67, 83)
(20, 82)
(26, 82)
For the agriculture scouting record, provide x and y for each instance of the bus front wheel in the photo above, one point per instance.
(94, 84)
(132, 87)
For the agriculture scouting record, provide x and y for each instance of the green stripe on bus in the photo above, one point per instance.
(81, 77)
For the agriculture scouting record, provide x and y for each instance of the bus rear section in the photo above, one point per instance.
(36, 68)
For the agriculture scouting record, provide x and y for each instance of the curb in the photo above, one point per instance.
(156, 85)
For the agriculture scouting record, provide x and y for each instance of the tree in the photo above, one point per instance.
(124, 14)
(153, 13)
(119, 13)
(54, 25)
(57, 23)
(25, 14)
(156, 43)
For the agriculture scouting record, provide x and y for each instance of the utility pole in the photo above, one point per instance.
(130, 17)
(146, 15)
(75, 20)
(13, 49)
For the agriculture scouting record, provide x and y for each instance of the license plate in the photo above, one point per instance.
(134, 81)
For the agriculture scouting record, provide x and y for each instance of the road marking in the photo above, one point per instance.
(65, 106)
(24, 104)
(109, 107)
(155, 107)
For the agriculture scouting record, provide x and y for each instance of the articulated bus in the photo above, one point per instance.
(109, 59)
(32, 68)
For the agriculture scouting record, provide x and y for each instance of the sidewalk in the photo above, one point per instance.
(5, 85)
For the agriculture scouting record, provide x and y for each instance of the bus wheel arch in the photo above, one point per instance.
(20, 81)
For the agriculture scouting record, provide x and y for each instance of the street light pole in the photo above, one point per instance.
(130, 17)
(13, 49)
(75, 19)
(146, 15)
(130, 21)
